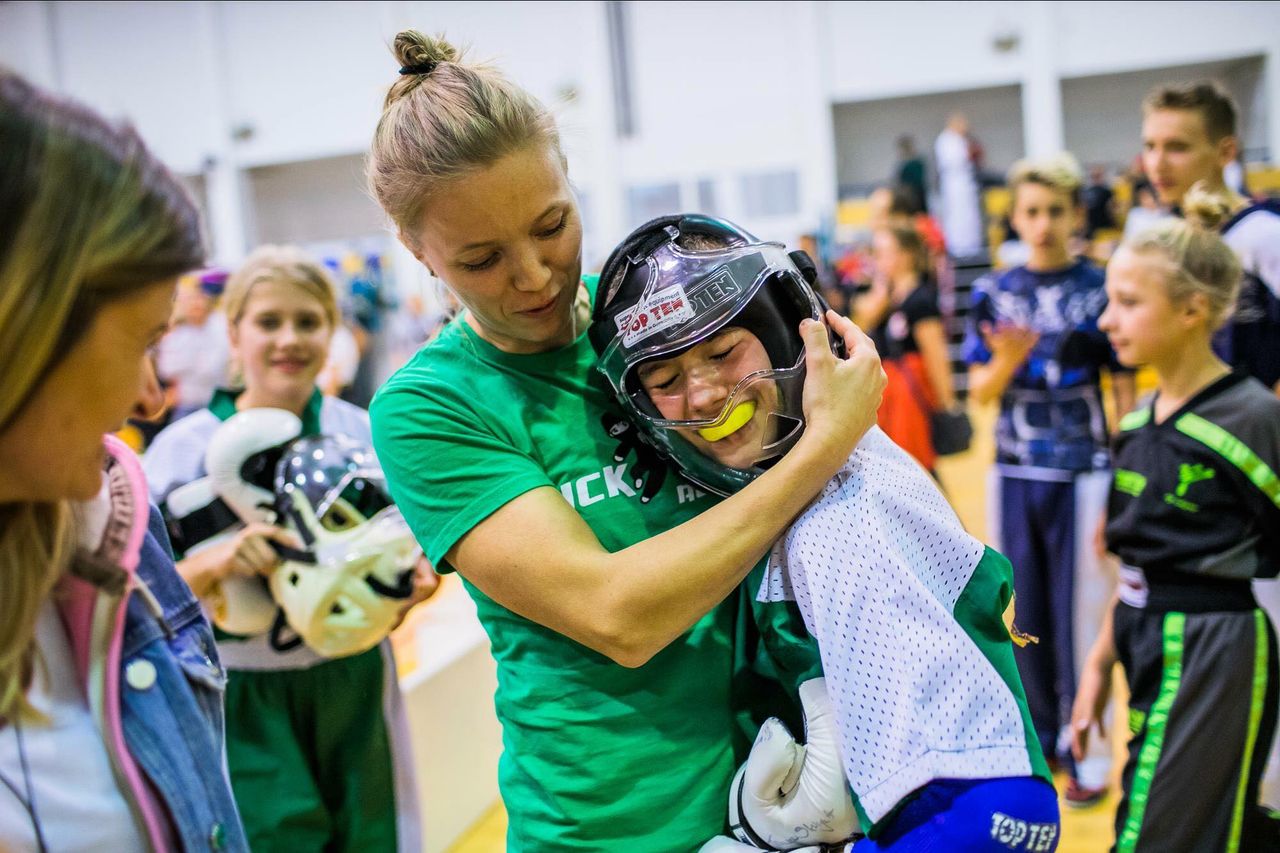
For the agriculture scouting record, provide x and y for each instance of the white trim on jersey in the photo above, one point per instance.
(1255, 238)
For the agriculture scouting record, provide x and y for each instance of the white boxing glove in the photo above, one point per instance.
(725, 844)
(787, 795)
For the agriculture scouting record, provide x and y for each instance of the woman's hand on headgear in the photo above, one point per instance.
(841, 396)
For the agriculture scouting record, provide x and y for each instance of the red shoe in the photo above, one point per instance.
(1078, 796)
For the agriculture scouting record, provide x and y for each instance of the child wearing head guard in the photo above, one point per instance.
(697, 335)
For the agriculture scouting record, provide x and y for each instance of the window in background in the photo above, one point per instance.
(645, 203)
(620, 66)
(707, 196)
(771, 194)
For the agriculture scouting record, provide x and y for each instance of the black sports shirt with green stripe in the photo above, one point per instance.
(1199, 492)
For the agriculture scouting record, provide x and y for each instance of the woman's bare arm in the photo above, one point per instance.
(537, 557)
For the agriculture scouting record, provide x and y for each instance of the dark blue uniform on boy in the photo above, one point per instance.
(1052, 464)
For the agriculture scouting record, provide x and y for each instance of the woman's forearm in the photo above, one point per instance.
(537, 557)
(706, 558)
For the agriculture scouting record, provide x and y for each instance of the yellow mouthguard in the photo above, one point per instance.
(738, 418)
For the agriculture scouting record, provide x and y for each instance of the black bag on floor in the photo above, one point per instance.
(951, 432)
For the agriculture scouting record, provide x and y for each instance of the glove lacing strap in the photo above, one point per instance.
(738, 824)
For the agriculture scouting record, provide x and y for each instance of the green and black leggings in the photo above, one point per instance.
(1202, 673)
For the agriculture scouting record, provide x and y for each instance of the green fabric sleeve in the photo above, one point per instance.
(448, 468)
(774, 655)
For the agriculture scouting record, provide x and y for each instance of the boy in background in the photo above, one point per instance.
(1033, 344)
(1189, 136)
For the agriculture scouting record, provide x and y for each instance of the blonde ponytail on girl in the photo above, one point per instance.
(1193, 256)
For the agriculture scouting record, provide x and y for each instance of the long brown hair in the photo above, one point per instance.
(87, 215)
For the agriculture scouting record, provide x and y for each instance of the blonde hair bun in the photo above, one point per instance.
(1205, 208)
(1192, 255)
(443, 118)
(412, 48)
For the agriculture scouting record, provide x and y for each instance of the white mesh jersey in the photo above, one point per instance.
(879, 565)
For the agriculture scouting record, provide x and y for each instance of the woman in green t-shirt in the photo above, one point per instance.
(601, 589)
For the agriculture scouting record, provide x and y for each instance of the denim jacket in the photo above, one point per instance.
(150, 667)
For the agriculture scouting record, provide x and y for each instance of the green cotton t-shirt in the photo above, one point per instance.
(596, 756)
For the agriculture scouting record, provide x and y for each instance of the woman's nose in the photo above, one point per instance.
(533, 273)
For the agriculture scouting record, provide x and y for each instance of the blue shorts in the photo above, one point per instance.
(973, 816)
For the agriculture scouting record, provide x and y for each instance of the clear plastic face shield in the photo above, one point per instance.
(345, 589)
(710, 358)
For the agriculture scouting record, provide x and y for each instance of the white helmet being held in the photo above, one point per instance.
(345, 589)
(238, 488)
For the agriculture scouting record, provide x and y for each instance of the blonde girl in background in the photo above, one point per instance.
(1193, 515)
(110, 687)
(316, 748)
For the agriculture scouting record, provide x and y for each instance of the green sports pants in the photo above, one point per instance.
(310, 757)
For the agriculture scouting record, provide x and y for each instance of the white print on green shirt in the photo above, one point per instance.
(611, 482)
(608, 482)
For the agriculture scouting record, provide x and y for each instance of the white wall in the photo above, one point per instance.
(313, 201)
(721, 91)
(882, 50)
(134, 59)
(27, 42)
(304, 79)
(866, 130)
(1103, 119)
(889, 49)
(719, 96)
(1100, 38)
